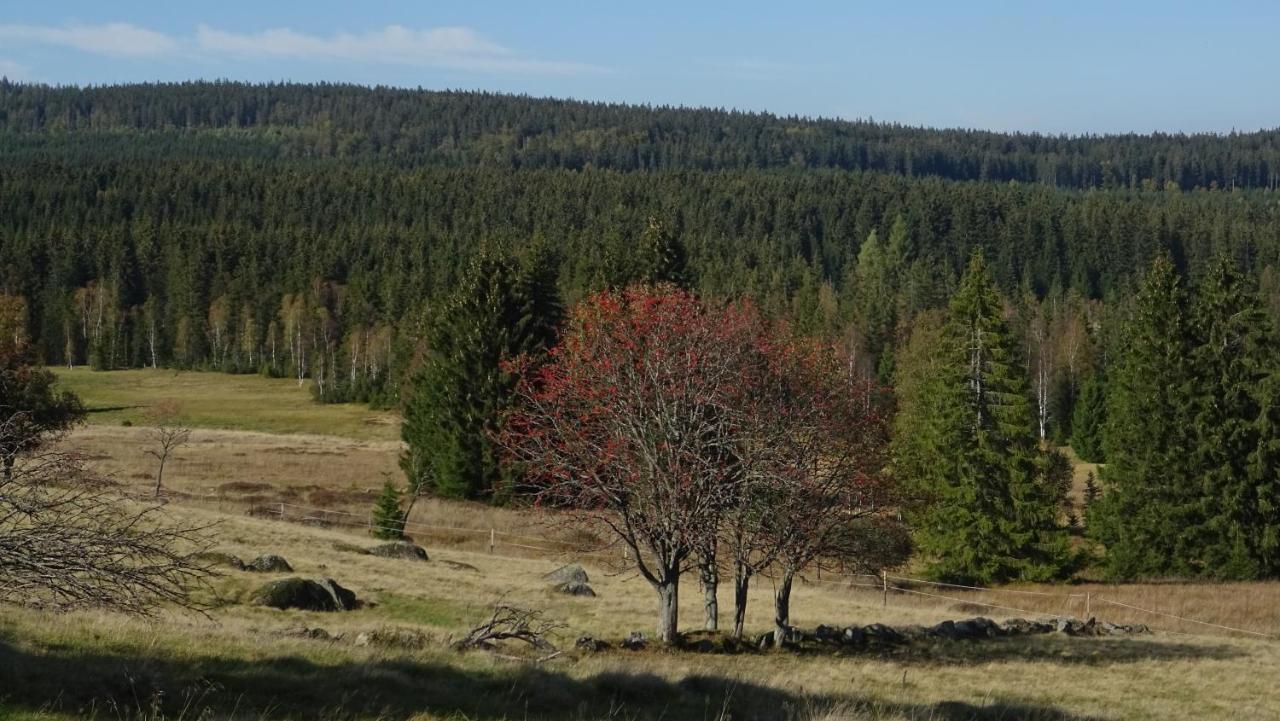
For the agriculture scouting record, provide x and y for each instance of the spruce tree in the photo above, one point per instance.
(388, 519)
(1235, 354)
(994, 496)
(500, 309)
(663, 258)
(1150, 498)
(1088, 420)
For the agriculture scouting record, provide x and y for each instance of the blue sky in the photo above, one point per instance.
(1054, 67)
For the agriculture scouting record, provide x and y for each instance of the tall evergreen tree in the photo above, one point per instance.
(1088, 420)
(1235, 354)
(498, 311)
(662, 256)
(1149, 502)
(993, 513)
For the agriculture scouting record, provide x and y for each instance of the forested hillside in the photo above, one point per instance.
(469, 129)
(308, 230)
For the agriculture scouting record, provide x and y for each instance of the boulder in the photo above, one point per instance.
(975, 628)
(590, 644)
(853, 636)
(826, 633)
(634, 641)
(321, 594)
(572, 573)
(400, 549)
(882, 635)
(269, 563)
(945, 629)
(574, 589)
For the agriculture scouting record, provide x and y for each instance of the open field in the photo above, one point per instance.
(222, 401)
(238, 663)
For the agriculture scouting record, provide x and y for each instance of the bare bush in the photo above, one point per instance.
(68, 540)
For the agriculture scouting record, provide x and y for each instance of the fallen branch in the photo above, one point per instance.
(508, 622)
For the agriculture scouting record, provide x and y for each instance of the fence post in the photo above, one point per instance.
(884, 583)
(1088, 604)
(282, 511)
(491, 541)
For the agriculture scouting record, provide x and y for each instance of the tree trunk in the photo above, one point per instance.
(741, 583)
(669, 607)
(709, 575)
(782, 608)
(159, 477)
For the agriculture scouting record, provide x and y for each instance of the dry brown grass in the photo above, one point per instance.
(1165, 675)
(51, 666)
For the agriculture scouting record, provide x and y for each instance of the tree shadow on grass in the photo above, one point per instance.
(86, 684)
(1058, 649)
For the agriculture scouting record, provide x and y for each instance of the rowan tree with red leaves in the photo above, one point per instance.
(637, 420)
(817, 488)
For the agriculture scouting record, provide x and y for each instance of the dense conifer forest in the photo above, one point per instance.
(362, 240)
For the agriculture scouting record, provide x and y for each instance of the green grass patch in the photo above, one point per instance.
(425, 611)
(222, 401)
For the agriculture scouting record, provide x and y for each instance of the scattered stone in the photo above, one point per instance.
(976, 628)
(572, 573)
(393, 637)
(853, 636)
(400, 549)
(574, 589)
(826, 633)
(218, 558)
(269, 563)
(634, 641)
(460, 566)
(322, 594)
(590, 644)
(879, 634)
(764, 641)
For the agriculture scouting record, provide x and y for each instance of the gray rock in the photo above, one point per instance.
(826, 633)
(572, 573)
(975, 628)
(853, 636)
(590, 644)
(269, 563)
(574, 589)
(400, 549)
(880, 634)
(945, 629)
(322, 594)
(634, 641)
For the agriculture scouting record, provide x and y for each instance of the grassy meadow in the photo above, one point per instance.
(240, 661)
(222, 401)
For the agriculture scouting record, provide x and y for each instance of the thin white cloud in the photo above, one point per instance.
(456, 48)
(112, 39)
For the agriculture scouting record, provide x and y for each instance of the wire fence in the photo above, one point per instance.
(492, 539)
